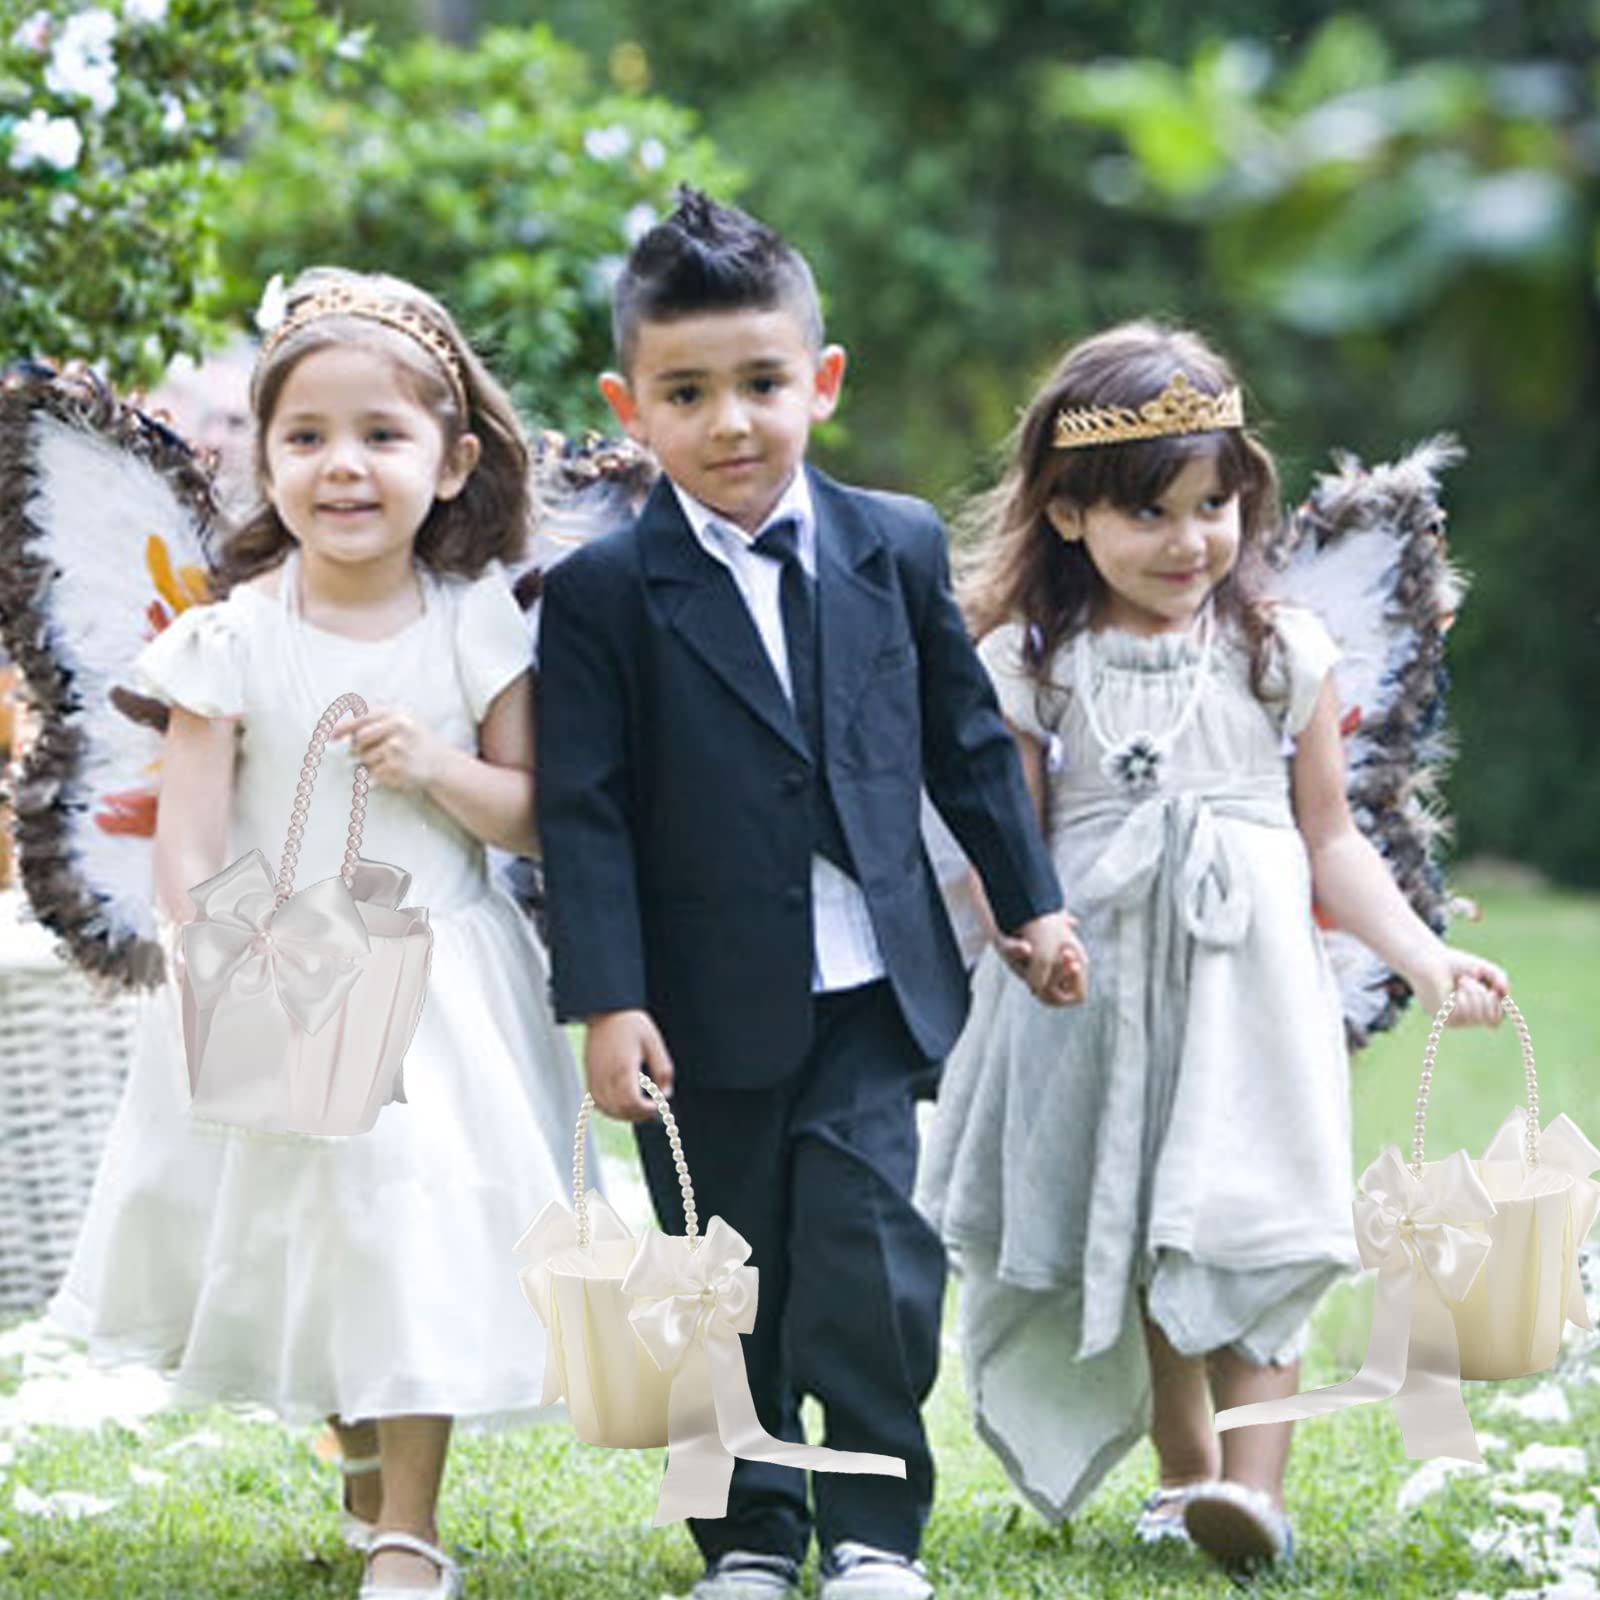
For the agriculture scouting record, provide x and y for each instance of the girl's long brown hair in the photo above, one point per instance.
(489, 520)
(1020, 569)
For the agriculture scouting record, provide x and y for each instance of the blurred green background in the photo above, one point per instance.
(1386, 214)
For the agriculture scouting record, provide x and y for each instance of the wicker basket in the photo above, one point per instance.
(64, 1051)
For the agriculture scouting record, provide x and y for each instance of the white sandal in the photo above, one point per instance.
(356, 1532)
(447, 1588)
(1161, 1516)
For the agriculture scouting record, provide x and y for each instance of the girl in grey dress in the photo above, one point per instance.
(1147, 1195)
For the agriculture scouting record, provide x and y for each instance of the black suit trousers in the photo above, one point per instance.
(816, 1173)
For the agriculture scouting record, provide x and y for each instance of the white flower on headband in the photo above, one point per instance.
(274, 305)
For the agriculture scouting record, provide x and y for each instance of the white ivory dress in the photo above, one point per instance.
(370, 1276)
(1184, 1134)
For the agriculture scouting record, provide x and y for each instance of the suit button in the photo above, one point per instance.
(794, 897)
(792, 783)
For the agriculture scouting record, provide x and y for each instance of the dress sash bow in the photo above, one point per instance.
(1169, 880)
(308, 950)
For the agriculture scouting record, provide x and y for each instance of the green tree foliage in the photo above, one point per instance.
(1422, 237)
(110, 116)
(498, 176)
(1386, 214)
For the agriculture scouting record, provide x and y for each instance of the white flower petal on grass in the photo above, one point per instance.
(1586, 1529)
(147, 1477)
(1507, 1541)
(64, 1505)
(1489, 1443)
(1430, 1478)
(1542, 1503)
(1568, 1459)
(1547, 1403)
(201, 1439)
(5, 1547)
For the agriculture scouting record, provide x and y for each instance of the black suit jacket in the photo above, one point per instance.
(674, 783)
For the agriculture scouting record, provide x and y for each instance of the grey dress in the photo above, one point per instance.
(1183, 1136)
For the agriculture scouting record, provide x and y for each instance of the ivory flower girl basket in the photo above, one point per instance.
(642, 1339)
(298, 1006)
(1477, 1266)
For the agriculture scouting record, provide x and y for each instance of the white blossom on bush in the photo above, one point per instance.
(641, 218)
(45, 141)
(81, 60)
(149, 13)
(652, 155)
(33, 33)
(173, 117)
(607, 144)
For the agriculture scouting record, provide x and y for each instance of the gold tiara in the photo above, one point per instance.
(1179, 408)
(346, 300)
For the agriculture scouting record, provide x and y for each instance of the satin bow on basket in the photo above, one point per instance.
(1424, 1236)
(308, 950)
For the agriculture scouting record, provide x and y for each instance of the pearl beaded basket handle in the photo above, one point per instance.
(302, 800)
(580, 1204)
(1530, 1142)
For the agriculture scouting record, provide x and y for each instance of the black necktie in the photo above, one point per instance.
(781, 542)
(796, 600)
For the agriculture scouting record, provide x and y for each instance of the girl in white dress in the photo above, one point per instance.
(369, 1280)
(1147, 1195)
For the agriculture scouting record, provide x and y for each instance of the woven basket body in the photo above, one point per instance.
(64, 1053)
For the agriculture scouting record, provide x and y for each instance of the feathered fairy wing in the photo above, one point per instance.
(1367, 553)
(105, 526)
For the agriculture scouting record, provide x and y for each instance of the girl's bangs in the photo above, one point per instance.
(1132, 476)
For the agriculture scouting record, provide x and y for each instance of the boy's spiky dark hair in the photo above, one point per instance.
(707, 256)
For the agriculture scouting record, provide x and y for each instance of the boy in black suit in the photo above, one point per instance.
(741, 697)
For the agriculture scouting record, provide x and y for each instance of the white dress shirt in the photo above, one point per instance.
(844, 949)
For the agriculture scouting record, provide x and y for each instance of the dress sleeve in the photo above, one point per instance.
(200, 661)
(1306, 653)
(492, 642)
(1025, 702)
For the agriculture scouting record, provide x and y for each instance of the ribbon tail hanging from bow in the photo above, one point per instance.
(689, 1313)
(1413, 1356)
(1412, 1359)
(711, 1420)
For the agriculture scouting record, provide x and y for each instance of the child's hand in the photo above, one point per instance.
(1480, 987)
(617, 1047)
(1046, 954)
(398, 751)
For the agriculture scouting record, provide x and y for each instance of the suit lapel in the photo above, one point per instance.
(858, 600)
(703, 606)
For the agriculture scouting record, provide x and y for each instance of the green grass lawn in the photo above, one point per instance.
(538, 1516)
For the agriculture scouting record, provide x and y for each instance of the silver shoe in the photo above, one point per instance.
(748, 1575)
(1161, 1516)
(855, 1571)
(1236, 1526)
